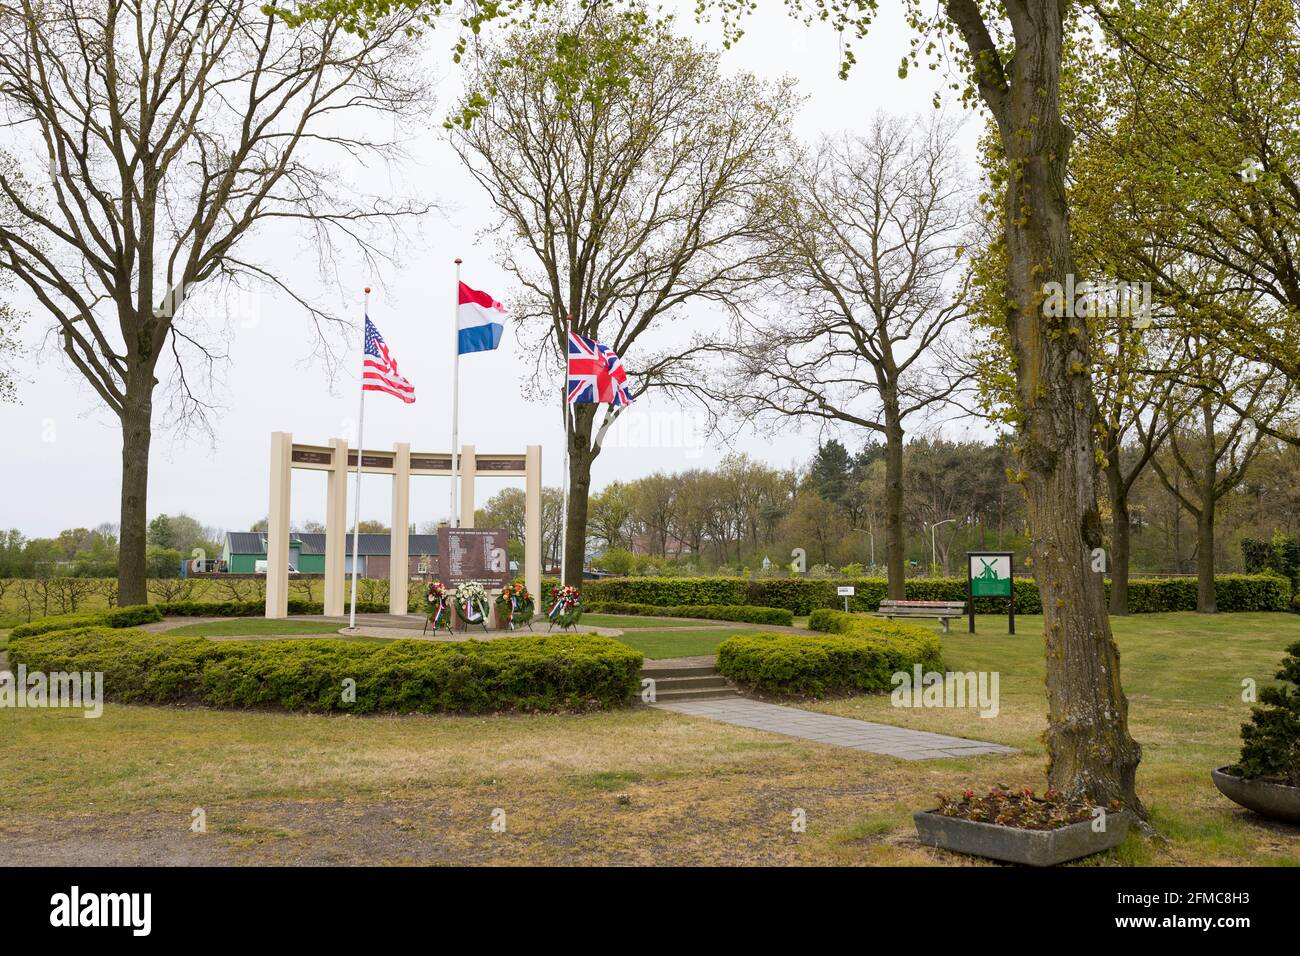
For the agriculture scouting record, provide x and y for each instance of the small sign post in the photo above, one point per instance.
(846, 591)
(990, 574)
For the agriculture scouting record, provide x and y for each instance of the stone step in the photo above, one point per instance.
(666, 673)
(664, 695)
(699, 682)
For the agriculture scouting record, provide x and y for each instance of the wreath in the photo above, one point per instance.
(567, 608)
(515, 605)
(470, 600)
(436, 611)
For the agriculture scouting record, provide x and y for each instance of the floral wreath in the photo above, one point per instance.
(436, 608)
(470, 600)
(567, 608)
(515, 604)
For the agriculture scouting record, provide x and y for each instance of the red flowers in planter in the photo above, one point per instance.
(1019, 808)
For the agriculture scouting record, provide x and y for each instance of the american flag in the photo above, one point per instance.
(380, 370)
(596, 374)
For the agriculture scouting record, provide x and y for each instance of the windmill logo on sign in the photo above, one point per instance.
(989, 575)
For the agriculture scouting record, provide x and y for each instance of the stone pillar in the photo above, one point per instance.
(467, 466)
(533, 524)
(399, 540)
(277, 526)
(336, 530)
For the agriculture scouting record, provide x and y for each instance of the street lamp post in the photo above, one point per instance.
(934, 552)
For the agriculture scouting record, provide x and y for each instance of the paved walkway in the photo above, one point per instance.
(837, 731)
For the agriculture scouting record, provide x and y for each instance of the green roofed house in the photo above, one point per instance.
(245, 553)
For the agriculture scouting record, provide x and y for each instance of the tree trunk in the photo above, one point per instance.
(137, 420)
(894, 558)
(1120, 538)
(575, 525)
(1206, 599)
(1205, 596)
(1090, 752)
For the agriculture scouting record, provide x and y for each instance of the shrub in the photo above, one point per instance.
(859, 654)
(549, 672)
(714, 612)
(132, 615)
(115, 618)
(1271, 740)
(59, 622)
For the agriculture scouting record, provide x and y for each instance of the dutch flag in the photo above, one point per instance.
(481, 320)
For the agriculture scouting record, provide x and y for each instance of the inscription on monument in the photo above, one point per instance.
(472, 554)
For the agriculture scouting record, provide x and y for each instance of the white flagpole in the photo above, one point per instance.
(564, 493)
(454, 520)
(356, 508)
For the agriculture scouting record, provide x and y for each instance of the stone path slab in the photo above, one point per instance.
(836, 731)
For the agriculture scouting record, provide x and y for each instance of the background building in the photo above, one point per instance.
(244, 549)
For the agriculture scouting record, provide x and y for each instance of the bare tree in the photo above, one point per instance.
(865, 243)
(159, 135)
(1211, 447)
(629, 172)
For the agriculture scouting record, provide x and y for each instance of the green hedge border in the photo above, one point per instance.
(553, 672)
(1234, 592)
(132, 615)
(859, 655)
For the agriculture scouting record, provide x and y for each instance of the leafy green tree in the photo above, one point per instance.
(1197, 122)
(610, 514)
(831, 472)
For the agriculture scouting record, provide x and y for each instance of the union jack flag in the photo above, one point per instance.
(380, 368)
(596, 374)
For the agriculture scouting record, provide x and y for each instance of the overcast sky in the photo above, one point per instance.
(63, 448)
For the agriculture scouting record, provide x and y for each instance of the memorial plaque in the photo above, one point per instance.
(430, 463)
(370, 461)
(473, 554)
(308, 457)
(494, 463)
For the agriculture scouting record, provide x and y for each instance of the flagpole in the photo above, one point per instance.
(454, 520)
(564, 493)
(356, 508)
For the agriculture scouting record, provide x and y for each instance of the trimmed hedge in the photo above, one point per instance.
(550, 672)
(1233, 592)
(860, 654)
(129, 616)
(252, 608)
(713, 612)
(670, 592)
(1236, 592)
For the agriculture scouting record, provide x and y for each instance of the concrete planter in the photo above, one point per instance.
(1275, 800)
(1015, 845)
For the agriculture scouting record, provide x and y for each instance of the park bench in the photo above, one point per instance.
(943, 610)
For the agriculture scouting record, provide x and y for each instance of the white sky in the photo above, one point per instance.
(62, 449)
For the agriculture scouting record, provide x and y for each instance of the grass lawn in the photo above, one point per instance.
(632, 786)
(632, 621)
(683, 641)
(253, 627)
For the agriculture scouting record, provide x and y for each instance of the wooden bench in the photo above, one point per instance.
(945, 611)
